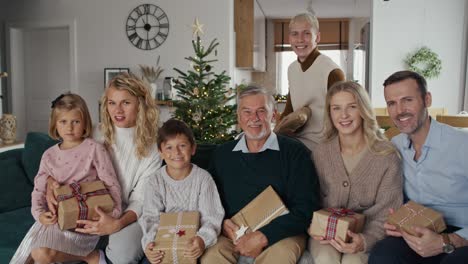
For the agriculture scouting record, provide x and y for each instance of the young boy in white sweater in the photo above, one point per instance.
(180, 186)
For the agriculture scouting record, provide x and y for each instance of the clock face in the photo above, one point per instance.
(147, 26)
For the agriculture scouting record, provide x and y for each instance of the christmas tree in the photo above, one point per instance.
(203, 98)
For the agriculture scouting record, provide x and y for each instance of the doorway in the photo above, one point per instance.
(41, 59)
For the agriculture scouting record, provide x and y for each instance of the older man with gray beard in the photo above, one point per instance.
(242, 169)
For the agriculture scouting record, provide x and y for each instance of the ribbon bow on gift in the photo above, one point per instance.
(412, 213)
(81, 198)
(336, 213)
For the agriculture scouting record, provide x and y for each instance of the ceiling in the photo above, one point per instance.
(322, 8)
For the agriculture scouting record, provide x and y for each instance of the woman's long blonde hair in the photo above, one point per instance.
(370, 128)
(146, 129)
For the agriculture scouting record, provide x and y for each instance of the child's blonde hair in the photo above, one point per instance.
(67, 102)
(146, 129)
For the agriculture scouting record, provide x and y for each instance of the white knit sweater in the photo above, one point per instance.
(309, 88)
(132, 172)
(197, 192)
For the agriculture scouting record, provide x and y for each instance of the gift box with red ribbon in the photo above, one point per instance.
(77, 201)
(331, 223)
(174, 230)
(413, 214)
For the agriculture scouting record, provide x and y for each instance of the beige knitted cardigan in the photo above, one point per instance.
(374, 185)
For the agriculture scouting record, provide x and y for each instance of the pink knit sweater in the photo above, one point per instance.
(86, 162)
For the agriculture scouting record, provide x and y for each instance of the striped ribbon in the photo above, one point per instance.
(81, 198)
(332, 223)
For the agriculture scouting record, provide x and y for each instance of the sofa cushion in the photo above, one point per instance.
(16, 191)
(35, 145)
(12, 154)
(15, 225)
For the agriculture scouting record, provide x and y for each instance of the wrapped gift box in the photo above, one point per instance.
(294, 121)
(174, 230)
(259, 212)
(77, 201)
(414, 214)
(331, 223)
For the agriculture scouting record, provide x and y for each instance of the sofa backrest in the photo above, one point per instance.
(35, 145)
(16, 190)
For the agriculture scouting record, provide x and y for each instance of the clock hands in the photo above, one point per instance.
(149, 26)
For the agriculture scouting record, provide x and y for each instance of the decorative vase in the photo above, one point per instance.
(154, 87)
(8, 128)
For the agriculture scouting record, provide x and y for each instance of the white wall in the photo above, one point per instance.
(400, 27)
(323, 8)
(102, 41)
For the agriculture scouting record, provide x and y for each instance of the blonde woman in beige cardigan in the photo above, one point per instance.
(358, 169)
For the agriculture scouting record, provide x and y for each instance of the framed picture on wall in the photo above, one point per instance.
(110, 73)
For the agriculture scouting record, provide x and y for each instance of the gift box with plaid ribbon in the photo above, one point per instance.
(174, 230)
(331, 223)
(413, 214)
(77, 201)
(259, 212)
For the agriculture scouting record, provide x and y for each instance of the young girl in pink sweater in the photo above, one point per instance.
(76, 158)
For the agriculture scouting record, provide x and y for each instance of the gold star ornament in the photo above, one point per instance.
(197, 28)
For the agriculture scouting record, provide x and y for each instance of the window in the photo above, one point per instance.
(284, 59)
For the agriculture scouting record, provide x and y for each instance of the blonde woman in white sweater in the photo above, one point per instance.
(358, 169)
(129, 131)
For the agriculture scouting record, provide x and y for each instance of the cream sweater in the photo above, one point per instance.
(309, 88)
(133, 173)
(374, 185)
(197, 192)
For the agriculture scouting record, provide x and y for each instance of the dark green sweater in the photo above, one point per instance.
(240, 177)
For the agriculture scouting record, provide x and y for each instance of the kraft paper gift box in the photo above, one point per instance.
(259, 212)
(294, 121)
(77, 201)
(331, 223)
(414, 214)
(174, 230)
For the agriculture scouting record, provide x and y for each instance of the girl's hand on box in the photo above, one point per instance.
(48, 218)
(356, 245)
(153, 256)
(50, 197)
(195, 247)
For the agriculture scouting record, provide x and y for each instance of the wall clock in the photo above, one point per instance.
(147, 26)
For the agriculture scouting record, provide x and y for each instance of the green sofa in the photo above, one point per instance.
(18, 167)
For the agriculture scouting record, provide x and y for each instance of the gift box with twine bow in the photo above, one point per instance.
(174, 230)
(259, 212)
(413, 214)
